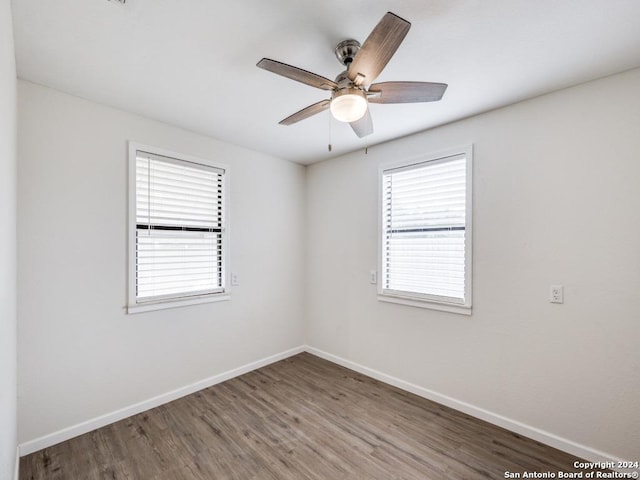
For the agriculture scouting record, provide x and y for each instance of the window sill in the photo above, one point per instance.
(429, 304)
(166, 304)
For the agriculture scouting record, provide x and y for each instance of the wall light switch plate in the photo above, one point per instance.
(556, 294)
(373, 277)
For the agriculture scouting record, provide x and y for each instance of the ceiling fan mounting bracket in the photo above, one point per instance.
(346, 51)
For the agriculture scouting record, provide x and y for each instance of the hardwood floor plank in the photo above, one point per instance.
(301, 418)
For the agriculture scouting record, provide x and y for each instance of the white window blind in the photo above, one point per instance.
(179, 228)
(424, 226)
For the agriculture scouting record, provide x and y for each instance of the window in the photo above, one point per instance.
(176, 230)
(426, 232)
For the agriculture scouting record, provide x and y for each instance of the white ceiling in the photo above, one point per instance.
(192, 63)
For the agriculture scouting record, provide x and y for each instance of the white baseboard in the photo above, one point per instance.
(67, 433)
(537, 434)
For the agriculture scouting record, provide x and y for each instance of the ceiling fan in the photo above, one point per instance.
(353, 90)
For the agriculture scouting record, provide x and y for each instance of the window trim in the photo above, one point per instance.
(133, 306)
(419, 300)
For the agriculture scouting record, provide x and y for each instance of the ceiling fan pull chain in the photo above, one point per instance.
(330, 147)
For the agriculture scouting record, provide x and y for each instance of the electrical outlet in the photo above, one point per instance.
(373, 277)
(556, 294)
(234, 279)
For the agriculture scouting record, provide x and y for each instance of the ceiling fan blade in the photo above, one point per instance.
(298, 74)
(364, 126)
(378, 48)
(406, 92)
(306, 112)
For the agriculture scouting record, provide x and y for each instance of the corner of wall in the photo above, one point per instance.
(305, 259)
(8, 244)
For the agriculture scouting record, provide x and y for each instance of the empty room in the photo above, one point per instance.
(332, 241)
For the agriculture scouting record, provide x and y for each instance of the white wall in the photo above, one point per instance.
(556, 200)
(80, 355)
(7, 244)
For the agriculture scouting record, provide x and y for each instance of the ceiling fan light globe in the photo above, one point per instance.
(349, 106)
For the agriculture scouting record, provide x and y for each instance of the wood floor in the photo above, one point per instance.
(301, 418)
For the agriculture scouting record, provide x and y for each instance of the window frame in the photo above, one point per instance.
(417, 299)
(133, 305)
